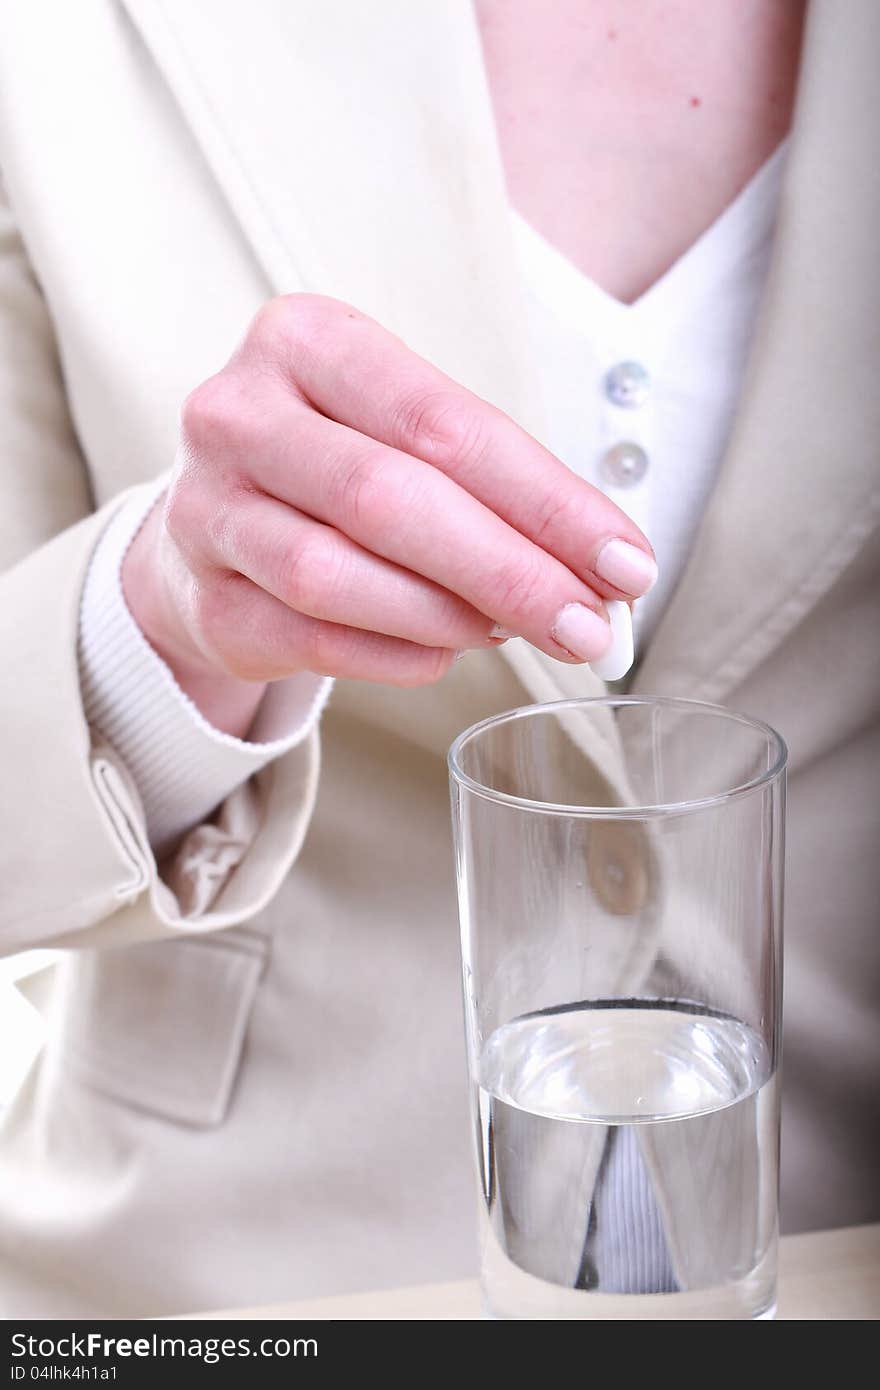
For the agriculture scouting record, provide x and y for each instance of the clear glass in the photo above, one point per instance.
(620, 889)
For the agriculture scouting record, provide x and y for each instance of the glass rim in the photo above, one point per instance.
(643, 812)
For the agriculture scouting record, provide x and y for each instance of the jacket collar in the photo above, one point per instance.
(356, 146)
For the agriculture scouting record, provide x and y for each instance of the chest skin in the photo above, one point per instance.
(624, 134)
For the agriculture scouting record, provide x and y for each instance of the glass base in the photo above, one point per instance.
(624, 1311)
(509, 1294)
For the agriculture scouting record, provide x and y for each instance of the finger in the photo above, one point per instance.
(317, 571)
(254, 636)
(415, 516)
(355, 372)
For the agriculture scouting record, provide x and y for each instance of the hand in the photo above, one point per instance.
(340, 506)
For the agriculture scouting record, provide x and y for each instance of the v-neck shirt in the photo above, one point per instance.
(640, 399)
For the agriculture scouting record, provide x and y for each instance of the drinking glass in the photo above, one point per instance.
(619, 870)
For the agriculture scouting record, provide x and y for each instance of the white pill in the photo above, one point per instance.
(619, 656)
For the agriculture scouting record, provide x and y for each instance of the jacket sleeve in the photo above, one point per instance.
(76, 867)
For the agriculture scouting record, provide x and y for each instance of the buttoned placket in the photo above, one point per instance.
(639, 398)
(628, 386)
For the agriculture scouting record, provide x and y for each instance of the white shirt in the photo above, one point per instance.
(689, 334)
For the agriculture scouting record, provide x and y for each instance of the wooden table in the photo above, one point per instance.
(827, 1275)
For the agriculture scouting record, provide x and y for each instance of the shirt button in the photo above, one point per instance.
(627, 385)
(625, 464)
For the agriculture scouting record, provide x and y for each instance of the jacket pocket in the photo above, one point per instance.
(160, 1026)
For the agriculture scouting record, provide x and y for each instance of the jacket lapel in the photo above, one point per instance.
(798, 493)
(356, 146)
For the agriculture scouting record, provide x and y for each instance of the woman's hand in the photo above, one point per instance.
(341, 506)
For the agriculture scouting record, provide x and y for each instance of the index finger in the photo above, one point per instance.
(359, 374)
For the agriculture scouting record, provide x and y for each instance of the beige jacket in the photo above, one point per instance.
(279, 1108)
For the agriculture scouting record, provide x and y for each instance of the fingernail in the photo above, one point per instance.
(616, 661)
(500, 634)
(581, 631)
(626, 567)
